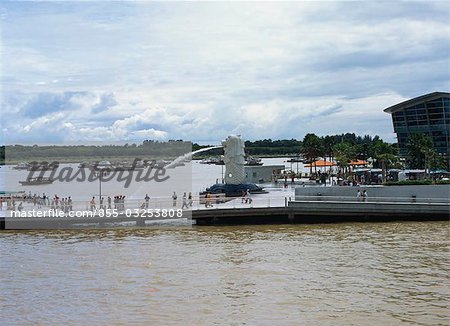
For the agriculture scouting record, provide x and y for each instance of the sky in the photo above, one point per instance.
(80, 72)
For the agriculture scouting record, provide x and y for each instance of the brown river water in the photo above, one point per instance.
(342, 274)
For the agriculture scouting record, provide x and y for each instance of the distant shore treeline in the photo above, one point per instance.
(150, 149)
(76, 153)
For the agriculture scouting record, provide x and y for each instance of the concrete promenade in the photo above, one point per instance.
(279, 206)
(326, 212)
(295, 212)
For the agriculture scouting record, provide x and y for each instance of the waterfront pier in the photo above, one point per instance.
(302, 210)
(326, 211)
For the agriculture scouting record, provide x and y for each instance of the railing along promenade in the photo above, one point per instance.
(281, 207)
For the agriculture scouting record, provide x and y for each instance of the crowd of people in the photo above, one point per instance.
(39, 201)
(116, 202)
(188, 200)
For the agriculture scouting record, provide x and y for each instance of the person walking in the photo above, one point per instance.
(70, 204)
(147, 199)
(185, 205)
(92, 203)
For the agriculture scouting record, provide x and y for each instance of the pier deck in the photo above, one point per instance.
(295, 212)
(326, 212)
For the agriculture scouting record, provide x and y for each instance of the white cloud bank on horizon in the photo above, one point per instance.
(129, 71)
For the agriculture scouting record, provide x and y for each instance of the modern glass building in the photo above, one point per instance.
(428, 114)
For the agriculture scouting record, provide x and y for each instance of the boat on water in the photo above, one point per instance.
(102, 165)
(43, 166)
(21, 166)
(253, 161)
(212, 160)
(250, 161)
(37, 181)
(296, 159)
(85, 165)
(128, 166)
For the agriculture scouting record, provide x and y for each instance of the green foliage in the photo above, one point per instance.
(344, 153)
(409, 182)
(434, 160)
(327, 144)
(417, 182)
(145, 150)
(270, 147)
(312, 147)
(418, 146)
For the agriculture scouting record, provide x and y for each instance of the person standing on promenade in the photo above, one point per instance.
(174, 199)
(109, 202)
(92, 203)
(122, 202)
(190, 200)
(358, 195)
(147, 198)
(208, 200)
(185, 205)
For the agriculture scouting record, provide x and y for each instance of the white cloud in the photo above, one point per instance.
(149, 134)
(200, 71)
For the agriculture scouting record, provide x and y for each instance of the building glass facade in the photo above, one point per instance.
(428, 114)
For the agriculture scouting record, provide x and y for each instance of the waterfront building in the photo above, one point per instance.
(428, 114)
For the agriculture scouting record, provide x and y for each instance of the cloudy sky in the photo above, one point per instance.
(76, 72)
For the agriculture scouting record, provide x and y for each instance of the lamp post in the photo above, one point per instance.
(221, 156)
(100, 173)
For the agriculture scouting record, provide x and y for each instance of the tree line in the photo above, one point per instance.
(342, 148)
(152, 149)
(348, 147)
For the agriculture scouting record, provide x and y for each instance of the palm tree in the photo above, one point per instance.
(344, 153)
(327, 143)
(385, 155)
(418, 146)
(312, 149)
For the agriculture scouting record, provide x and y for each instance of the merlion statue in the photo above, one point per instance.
(234, 159)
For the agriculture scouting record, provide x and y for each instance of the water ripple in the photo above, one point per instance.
(384, 273)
